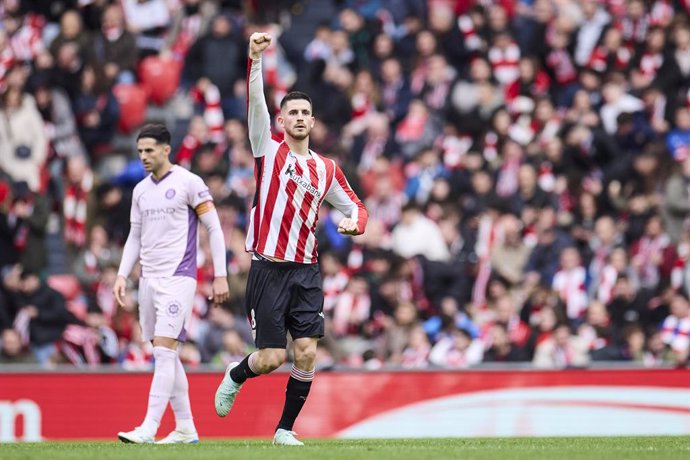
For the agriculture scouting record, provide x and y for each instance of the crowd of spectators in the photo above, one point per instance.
(525, 165)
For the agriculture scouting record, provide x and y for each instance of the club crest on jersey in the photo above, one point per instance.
(174, 309)
(170, 193)
(301, 181)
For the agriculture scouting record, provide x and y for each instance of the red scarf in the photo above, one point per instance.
(74, 210)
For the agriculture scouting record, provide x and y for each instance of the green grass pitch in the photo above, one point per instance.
(585, 448)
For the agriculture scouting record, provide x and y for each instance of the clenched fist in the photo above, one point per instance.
(258, 42)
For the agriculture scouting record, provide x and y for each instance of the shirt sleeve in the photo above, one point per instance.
(130, 253)
(134, 211)
(344, 199)
(198, 192)
(258, 117)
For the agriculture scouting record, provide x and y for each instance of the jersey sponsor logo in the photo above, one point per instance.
(301, 181)
(170, 193)
(174, 309)
(157, 214)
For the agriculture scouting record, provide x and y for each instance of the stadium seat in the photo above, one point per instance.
(132, 99)
(160, 78)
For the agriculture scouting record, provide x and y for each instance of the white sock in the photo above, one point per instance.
(161, 388)
(179, 401)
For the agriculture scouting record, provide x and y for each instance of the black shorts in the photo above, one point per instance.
(284, 297)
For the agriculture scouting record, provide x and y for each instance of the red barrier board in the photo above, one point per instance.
(48, 406)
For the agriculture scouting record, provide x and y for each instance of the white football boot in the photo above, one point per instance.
(286, 438)
(180, 437)
(226, 392)
(136, 436)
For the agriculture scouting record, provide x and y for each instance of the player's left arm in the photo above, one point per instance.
(344, 199)
(201, 201)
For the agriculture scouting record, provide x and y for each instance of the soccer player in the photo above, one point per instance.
(284, 291)
(166, 208)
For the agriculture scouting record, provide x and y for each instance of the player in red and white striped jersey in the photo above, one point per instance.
(284, 289)
(292, 181)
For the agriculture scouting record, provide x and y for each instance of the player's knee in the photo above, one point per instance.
(305, 358)
(270, 360)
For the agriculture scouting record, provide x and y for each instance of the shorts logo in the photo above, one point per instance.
(170, 193)
(174, 309)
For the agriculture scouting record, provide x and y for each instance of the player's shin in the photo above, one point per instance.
(295, 396)
(179, 400)
(247, 369)
(161, 387)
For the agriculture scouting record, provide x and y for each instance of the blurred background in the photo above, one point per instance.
(525, 165)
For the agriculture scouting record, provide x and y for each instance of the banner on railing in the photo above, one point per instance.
(48, 406)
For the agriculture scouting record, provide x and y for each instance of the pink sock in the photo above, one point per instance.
(179, 401)
(161, 387)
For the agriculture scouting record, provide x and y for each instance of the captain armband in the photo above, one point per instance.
(204, 207)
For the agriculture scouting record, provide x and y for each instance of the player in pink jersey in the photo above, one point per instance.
(166, 209)
(284, 289)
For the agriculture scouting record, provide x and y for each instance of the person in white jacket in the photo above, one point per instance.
(23, 144)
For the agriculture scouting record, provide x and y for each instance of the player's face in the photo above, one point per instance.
(152, 154)
(296, 119)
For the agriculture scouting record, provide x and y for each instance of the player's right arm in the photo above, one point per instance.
(130, 253)
(258, 118)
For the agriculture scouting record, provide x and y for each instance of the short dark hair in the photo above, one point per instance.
(293, 96)
(155, 131)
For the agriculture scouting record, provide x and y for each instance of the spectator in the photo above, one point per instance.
(569, 283)
(59, 123)
(189, 22)
(397, 332)
(9, 294)
(656, 352)
(8, 227)
(97, 111)
(653, 255)
(456, 350)
(23, 145)
(678, 139)
(72, 31)
(113, 45)
(542, 264)
(562, 351)
(416, 352)
(234, 348)
(677, 200)
(216, 55)
(594, 21)
(69, 65)
(509, 256)
(395, 89)
(94, 258)
(78, 185)
(149, 21)
(113, 207)
(675, 330)
(499, 347)
(31, 211)
(415, 234)
(42, 317)
(12, 351)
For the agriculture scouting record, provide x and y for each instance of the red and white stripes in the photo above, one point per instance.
(302, 376)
